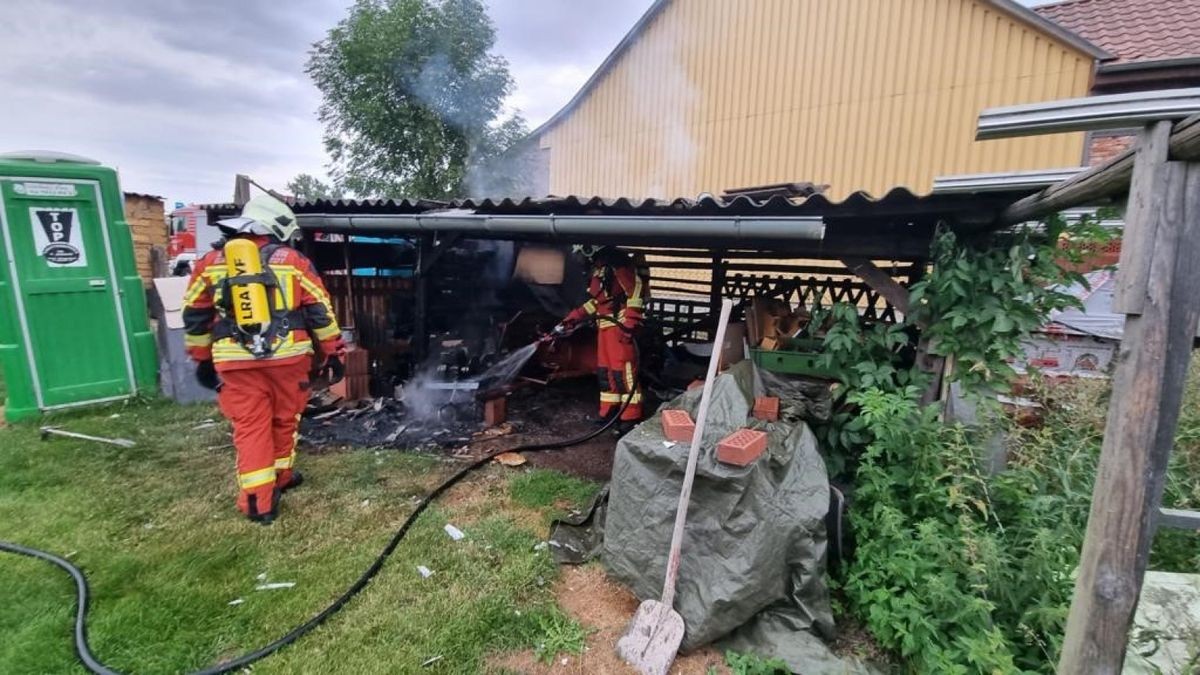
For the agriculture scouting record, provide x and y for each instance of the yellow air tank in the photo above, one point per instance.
(250, 307)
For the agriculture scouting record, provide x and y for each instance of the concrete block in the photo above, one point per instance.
(742, 447)
(678, 426)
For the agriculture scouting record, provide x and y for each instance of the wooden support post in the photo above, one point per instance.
(1140, 220)
(880, 281)
(352, 310)
(716, 291)
(420, 335)
(1147, 390)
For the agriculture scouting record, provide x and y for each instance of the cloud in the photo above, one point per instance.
(180, 95)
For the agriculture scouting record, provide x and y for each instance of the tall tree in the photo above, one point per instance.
(308, 188)
(413, 97)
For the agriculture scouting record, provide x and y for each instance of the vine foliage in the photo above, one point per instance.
(957, 571)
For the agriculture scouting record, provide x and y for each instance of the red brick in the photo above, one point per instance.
(766, 408)
(358, 361)
(352, 388)
(742, 447)
(1104, 147)
(495, 411)
(678, 426)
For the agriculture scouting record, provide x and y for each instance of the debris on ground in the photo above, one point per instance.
(274, 585)
(238, 601)
(455, 533)
(55, 431)
(424, 571)
(510, 459)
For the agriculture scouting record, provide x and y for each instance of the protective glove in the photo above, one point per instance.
(206, 375)
(334, 369)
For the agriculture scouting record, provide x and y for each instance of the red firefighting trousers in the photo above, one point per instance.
(264, 404)
(615, 369)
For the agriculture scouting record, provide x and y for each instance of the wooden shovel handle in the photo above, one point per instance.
(685, 494)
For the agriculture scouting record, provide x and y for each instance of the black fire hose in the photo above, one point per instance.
(93, 664)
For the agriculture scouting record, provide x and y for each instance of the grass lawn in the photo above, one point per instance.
(156, 530)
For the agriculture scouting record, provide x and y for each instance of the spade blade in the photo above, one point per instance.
(652, 639)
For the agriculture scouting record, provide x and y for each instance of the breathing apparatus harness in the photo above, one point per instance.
(91, 663)
(250, 300)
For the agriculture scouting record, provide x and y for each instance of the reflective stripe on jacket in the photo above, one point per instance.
(300, 290)
(617, 289)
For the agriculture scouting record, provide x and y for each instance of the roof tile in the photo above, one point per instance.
(1133, 30)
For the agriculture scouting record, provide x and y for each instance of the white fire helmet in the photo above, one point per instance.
(262, 215)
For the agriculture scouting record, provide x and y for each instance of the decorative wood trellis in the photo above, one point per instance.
(813, 293)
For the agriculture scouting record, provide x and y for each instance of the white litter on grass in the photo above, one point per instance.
(236, 602)
(541, 546)
(668, 444)
(565, 661)
(425, 571)
(455, 533)
(274, 585)
(430, 662)
(204, 425)
(262, 577)
(114, 416)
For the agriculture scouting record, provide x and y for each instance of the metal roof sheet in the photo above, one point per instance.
(857, 205)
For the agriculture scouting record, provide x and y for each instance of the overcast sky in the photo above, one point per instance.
(180, 95)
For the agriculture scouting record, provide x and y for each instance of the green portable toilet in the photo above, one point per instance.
(73, 327)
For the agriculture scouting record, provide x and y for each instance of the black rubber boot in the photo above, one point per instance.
(296, 481)
(268, 517)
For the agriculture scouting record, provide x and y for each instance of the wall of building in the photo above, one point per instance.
(145, 216)
(1103, 146)
(858, 94)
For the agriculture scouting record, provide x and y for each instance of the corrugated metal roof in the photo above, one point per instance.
(859, 205)
(898, 225)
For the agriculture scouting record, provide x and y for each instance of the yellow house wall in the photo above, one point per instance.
(858, 94)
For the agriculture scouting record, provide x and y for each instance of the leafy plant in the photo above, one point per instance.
(983, 298)
(560, 635)
(753, 664)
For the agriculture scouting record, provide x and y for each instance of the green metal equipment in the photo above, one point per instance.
(795, 356)
(73, 327)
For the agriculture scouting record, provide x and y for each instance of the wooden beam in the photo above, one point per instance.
(1178, 519)
(1103, 182)
(1143, 413)
(880, 281)
(1141, 218)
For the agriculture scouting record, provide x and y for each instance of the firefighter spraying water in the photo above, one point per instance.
(253, 311)
(616, 288)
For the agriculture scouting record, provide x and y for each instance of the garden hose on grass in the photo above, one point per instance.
(93, 664)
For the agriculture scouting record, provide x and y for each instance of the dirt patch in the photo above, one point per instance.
(604, 608)
(486, 495)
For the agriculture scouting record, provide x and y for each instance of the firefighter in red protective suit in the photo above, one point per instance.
(617, 289)
(257, 352)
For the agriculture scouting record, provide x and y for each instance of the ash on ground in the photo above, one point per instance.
(386, 422)
(536, 414)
